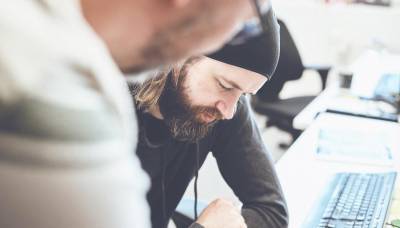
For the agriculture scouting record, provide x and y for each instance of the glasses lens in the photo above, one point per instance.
(263, 19)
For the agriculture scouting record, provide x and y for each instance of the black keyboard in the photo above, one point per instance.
(354, 200)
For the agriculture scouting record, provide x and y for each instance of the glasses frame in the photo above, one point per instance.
(260, 15)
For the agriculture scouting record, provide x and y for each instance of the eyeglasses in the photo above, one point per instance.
(261, 17)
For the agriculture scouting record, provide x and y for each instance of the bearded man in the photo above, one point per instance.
(199, 107)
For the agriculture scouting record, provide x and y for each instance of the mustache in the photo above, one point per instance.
(210, 111)
(191, 127)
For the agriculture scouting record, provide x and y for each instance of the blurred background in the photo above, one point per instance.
(332, 33)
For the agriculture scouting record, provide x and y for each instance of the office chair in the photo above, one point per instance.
(281, 112)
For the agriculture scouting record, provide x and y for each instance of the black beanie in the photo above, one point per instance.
(252, 48)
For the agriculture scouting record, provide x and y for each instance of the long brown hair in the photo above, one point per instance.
(147, 94)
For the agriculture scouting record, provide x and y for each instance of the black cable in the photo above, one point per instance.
(393, 225)
(195, 181)
(163, 195)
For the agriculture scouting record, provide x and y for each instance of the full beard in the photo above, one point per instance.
(183, 119)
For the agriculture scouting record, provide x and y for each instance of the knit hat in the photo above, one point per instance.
(252, 48)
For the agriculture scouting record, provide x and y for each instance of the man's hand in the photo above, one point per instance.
(221, 213)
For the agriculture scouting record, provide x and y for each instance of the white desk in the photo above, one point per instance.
(367, 71)
(319, 104)
(304, 177)
(367, 68)
(338, 99)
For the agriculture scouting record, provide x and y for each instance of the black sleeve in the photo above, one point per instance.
(196, 225)
(248, 169)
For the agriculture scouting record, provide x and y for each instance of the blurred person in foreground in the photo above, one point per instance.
(67, 126)
(198, 106)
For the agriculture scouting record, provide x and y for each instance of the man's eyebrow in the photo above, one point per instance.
(232, 83)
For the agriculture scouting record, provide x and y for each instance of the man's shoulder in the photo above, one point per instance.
(58, 86)
(243, 106)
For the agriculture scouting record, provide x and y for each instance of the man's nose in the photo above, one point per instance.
(227, 105)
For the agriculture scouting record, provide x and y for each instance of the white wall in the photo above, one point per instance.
(337, 33)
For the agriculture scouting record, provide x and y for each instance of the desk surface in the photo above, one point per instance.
(304, 177)
(367, 69)
(319, 104)
(339, 99)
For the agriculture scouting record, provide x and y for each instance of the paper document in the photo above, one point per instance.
(353, 146)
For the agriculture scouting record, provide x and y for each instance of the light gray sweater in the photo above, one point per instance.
(67, 126)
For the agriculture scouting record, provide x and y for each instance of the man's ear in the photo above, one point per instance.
(179, 3)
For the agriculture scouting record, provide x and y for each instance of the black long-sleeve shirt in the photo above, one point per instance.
(242, 160)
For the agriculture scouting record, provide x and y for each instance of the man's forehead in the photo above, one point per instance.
(231, 73)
